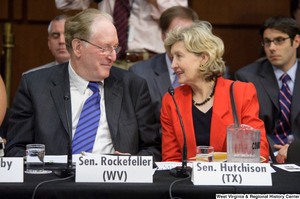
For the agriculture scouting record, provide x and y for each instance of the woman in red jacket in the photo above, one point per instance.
(204, 100)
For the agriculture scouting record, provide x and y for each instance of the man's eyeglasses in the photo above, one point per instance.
(277, 41)
(107, 50)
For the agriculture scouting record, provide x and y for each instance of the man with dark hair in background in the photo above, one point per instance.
(277, 80)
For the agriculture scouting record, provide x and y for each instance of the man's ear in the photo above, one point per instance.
(77, 47)
(296, 41)
(49, 43)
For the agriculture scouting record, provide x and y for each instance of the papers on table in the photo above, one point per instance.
(58, 158)
(55, 159)
(169, 165)
(288, 167)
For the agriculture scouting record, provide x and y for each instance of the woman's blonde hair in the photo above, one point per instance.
(198, 38)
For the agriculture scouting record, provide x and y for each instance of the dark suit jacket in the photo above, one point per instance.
(155, 72)
(261, 74)
(39, 113)
(247, 110)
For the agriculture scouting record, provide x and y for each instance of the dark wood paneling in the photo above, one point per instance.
(243, 12)
(237, 24)
(4, 9)
(30, 31)
(242, 46)
(47, 10)
(17, 9)
(30, 50)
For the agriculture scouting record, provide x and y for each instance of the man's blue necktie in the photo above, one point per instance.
(283, 128)
(88, 122)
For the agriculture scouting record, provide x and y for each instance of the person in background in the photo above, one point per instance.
(138, 32)
(3, 107)
(276, 80)
(295, 14)
(295, 10)
(101, 108)
(56, 42)
(204, 99)
(293, 155)
(157, 70)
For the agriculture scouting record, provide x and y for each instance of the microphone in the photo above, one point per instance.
(184, 170)
(69, 170)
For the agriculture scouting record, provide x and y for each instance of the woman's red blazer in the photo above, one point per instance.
(247, 109)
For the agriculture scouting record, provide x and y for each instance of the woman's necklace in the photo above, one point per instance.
(207, 99)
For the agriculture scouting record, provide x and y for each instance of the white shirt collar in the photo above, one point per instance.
(80, 83)
(291, 72)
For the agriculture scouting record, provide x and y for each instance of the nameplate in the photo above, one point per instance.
(237, 174)
(121, 169)
(11, 169)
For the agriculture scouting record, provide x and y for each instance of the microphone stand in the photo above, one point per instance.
(184, 170)
(69, 171)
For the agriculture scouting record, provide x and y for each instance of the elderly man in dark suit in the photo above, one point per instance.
(157, 70)
(50, 103)
(277, 81)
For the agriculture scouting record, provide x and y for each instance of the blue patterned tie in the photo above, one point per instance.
(88, 122)
(283, 128)
(175, 83)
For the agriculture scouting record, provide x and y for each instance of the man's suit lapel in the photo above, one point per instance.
(162, 78)
(296, 96)
(269, 83)
(59, 91)
(113, 100)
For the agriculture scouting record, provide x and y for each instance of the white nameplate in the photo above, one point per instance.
(237, 174)
(106, 168)
(12, 169)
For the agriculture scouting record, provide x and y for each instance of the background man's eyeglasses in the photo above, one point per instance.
(277, 41)
(106, 50)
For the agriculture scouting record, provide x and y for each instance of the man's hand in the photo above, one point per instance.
(119, 153)
(282, 153)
